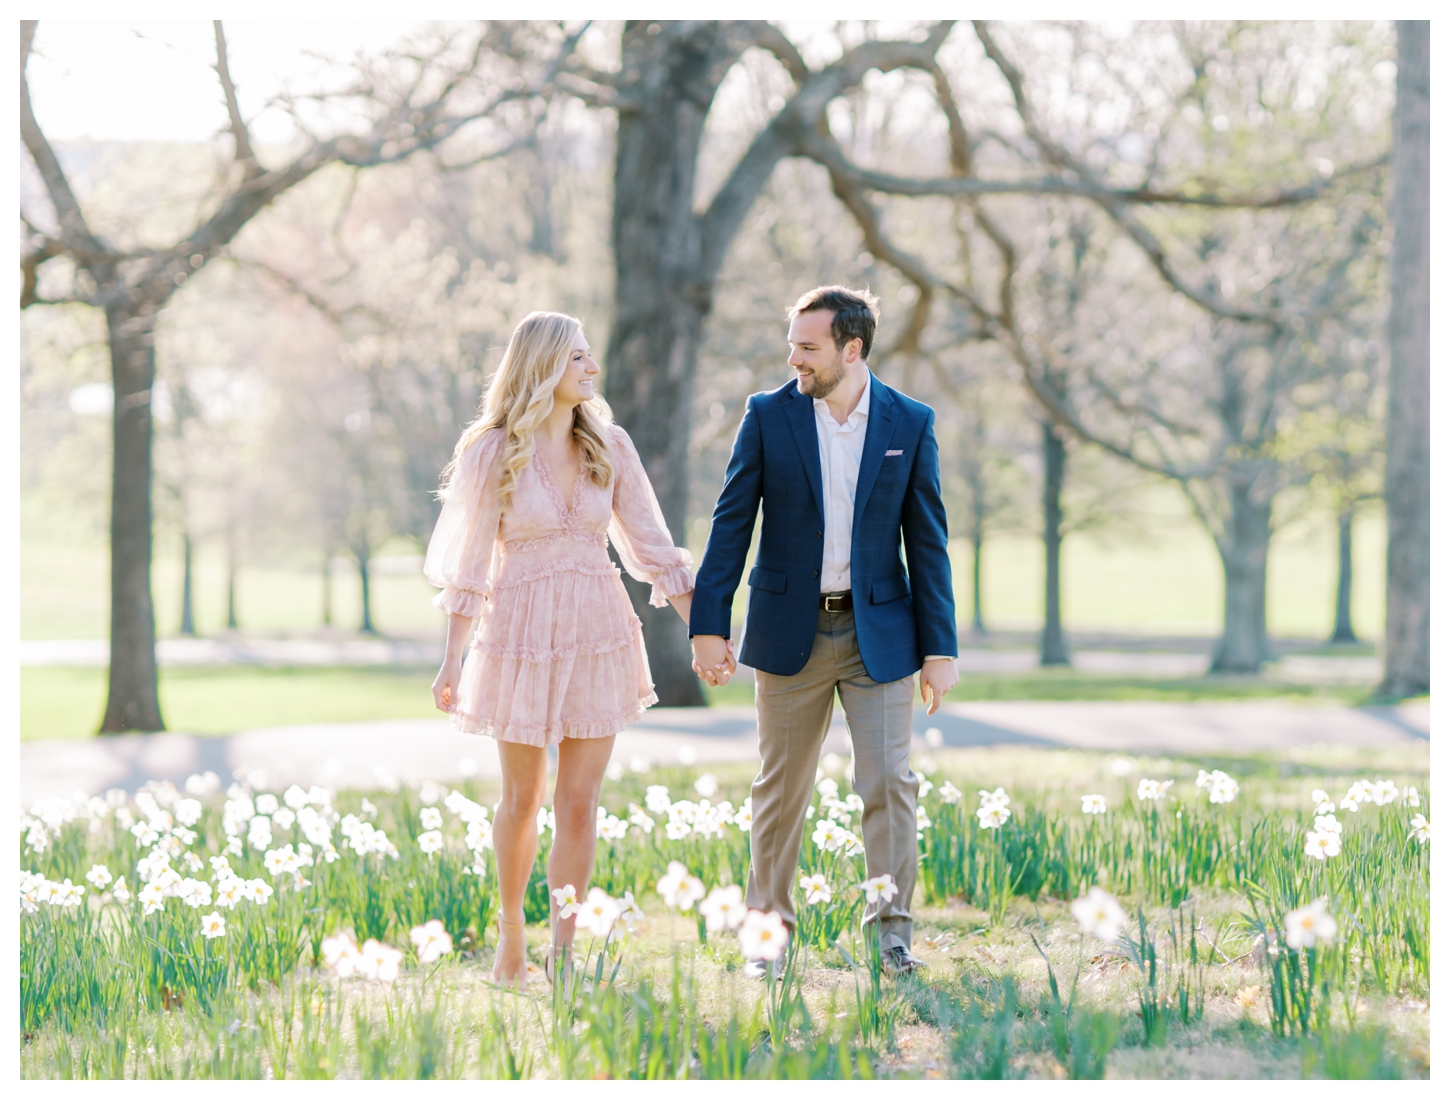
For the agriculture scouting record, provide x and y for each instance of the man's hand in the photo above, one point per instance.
(714, 659)
(938, 676)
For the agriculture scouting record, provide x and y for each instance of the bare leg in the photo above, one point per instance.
(582, 761)
(515, 840)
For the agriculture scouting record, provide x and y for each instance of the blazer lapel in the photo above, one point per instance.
(878, 435)
(802, 415)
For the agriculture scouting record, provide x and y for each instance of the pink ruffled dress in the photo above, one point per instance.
(558, 651)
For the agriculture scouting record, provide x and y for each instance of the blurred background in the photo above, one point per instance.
(1141, 271)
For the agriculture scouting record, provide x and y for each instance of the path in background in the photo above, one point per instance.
(361, 755)
(1166, 657)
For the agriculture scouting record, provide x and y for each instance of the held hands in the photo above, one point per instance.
(938, 676)
(714, 658)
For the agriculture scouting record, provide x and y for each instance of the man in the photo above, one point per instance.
(844, 471)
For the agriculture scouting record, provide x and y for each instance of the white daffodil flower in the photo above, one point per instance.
(724, 908)
(430, 817)
(567, 898)
(1094, 804)
(1322, 844)
(949, 794)
(999, 797)
(992, 817)
(1420, 828)
(213, 925)
(99, 876)
(881, 889)
(1328, 823)
(432, 941)
(657, 799)
(763, 936)
(816, 889)
(598, 913)
(1309, 926)
(1099, 914)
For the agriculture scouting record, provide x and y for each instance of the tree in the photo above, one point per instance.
(1256, 342)
(1407, 463)
(426, 94)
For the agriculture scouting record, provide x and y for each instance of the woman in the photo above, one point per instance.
(535, 483)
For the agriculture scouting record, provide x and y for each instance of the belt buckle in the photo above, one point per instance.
(837, 599)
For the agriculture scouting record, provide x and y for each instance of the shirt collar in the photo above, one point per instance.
(858, 414)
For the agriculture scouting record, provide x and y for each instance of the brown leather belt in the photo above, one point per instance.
(835, 601)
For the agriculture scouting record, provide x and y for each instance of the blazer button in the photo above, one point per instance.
(815, 572)
(819, 535)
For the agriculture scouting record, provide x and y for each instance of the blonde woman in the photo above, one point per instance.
(536, 483)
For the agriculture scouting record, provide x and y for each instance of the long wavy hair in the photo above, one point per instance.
(521, 394)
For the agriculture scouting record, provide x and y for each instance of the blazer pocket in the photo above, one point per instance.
(888, 589)
(767, 580)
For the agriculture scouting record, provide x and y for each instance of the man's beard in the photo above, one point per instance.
(821, 384)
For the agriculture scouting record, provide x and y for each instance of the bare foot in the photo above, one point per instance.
(510, 965)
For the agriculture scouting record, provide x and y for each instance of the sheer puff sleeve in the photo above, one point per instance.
(637, 528)
(460, 552)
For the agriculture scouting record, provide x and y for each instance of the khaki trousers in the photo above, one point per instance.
(794, 713)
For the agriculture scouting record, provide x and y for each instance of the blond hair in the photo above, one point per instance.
(521, 394)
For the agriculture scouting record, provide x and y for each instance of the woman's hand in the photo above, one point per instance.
(445, 685)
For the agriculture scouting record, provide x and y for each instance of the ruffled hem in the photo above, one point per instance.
(460, 601)
(582, 728)
(672, 582)
(535, 655)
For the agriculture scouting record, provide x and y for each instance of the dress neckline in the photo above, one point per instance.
(552, 487)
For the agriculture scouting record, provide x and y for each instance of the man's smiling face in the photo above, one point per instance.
(819, 366)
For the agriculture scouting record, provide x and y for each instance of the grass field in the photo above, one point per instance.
(1165, 581)
(1200, 974)
(67, 702)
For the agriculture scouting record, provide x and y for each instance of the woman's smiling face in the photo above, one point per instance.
(576, 385)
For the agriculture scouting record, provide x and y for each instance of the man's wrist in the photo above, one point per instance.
(937, 657)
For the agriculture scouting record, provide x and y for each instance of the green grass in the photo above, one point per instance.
(1166, 580)
(68, 702)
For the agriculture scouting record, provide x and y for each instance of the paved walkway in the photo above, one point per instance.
(364, 755)
(242, 649)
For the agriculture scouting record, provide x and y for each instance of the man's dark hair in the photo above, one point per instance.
(855, 313)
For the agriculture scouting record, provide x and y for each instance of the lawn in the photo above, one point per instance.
(1196, 975)
(68, 702)
(1165, 579)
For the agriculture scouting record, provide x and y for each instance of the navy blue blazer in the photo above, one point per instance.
(904, 609)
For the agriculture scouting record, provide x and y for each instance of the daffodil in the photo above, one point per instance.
(567, 899)
(1309, 926)
(949, 794)
(379, 962)
(723, 908)
(213, 925)
(1328, 823)
(1094, 804)
(432, 941)
(1420, 828)
(999, 797)
(657, 799)
(816, 888)
(430, 817)
(1322, 844)
(99, 876)
(881, 889)
(1153, 790)
(598, 913)
(763, 936)
(992, 817)
(1099, 914)
(431, 842)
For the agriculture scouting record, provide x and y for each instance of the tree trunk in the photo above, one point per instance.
(1244, 551)
(978, 626)
(1407, 426)
(327, 588)
(1054, 471)
(131, 701)
(661, 297)
(364, 573)
(231, 574)
(1343, 627)
(188, 624)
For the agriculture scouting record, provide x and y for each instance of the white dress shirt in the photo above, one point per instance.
(840, 448)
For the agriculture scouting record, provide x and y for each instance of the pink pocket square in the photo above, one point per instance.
(892, 454)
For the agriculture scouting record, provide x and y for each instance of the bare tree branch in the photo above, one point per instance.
(241, 139)
(74, 231)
